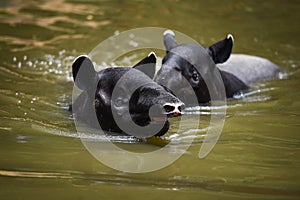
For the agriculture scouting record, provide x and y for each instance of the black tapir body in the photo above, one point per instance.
(237, 73)
(102, 94)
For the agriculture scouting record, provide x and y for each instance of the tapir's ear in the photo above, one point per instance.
(169, 40)
(147, 65)
(221, 50)
(84, 73)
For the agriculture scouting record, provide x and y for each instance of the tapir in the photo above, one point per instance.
(121, 95)
(238, 71)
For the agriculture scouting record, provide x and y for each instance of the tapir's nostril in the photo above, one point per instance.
(169, 108)
(180, 107)
(173, 109)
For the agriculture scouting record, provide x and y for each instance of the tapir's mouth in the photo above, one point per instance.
(158, 117)
(143, 119)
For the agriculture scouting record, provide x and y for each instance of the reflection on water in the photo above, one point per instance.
(256, 157)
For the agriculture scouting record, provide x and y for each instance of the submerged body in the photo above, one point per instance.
(250, 69)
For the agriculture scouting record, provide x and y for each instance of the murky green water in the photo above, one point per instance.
(257, 156)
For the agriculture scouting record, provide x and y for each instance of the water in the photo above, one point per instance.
(41, 156)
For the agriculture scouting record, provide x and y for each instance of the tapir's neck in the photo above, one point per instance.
(232, 83)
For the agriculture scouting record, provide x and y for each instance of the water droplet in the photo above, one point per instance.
(90, 17)
(62, 52)
(29, 63)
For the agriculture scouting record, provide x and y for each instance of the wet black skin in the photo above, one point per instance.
(100, 99)
(177, 65)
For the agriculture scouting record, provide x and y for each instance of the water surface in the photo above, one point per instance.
(41, 156)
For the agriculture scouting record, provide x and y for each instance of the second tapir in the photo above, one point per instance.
(123, 95)
(238, 72)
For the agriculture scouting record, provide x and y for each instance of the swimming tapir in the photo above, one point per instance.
(121, 95)
(237, 71)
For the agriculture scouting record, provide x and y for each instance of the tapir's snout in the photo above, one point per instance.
(173, 109)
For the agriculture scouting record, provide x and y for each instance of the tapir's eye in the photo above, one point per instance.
(97, 102)
(195, 76)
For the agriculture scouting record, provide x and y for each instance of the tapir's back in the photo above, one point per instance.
(250, 69)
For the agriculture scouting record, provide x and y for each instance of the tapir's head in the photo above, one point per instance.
(122, 96)
(184, 66)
